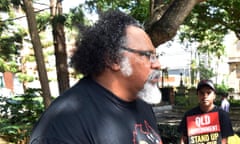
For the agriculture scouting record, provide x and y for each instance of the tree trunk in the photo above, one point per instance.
(59, 45)
(37, 46)
(165, 28)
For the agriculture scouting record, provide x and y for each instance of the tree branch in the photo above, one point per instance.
(166, 27)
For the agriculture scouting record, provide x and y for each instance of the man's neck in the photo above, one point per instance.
(115, 83)
(207, 109)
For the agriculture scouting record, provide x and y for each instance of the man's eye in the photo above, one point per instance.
(148, 55)
(209, 92)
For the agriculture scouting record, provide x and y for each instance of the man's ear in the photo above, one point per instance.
(215, 95)
(115, 67)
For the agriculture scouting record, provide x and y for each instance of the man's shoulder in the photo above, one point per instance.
(80, 89)
(193, 111)
(74, 100)
(221, 111)
(65, 112)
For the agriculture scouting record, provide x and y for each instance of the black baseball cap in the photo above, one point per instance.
(208, 83)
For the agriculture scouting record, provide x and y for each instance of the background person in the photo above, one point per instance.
(225, 105)
(119, 64)
(206, 122)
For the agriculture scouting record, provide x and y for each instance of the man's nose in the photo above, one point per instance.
(156, 65)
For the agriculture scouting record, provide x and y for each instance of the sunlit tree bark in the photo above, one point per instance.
(37, 46)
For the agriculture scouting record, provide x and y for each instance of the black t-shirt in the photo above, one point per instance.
(89, 114)
(224, 121)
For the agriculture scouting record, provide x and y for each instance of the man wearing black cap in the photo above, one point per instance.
(206, 123)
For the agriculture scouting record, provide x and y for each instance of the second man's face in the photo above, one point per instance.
(206, 96)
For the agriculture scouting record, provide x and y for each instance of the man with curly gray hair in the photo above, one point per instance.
(110, 105)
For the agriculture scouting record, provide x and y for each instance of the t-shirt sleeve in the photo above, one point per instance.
(226, 125)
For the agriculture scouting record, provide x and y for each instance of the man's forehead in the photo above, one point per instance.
(205, 87)
(138, 38)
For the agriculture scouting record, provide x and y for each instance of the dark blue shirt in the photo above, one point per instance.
(89, 114)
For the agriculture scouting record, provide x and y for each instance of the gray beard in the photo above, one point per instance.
(150, 93)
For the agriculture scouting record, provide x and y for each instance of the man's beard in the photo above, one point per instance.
(150, 92)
